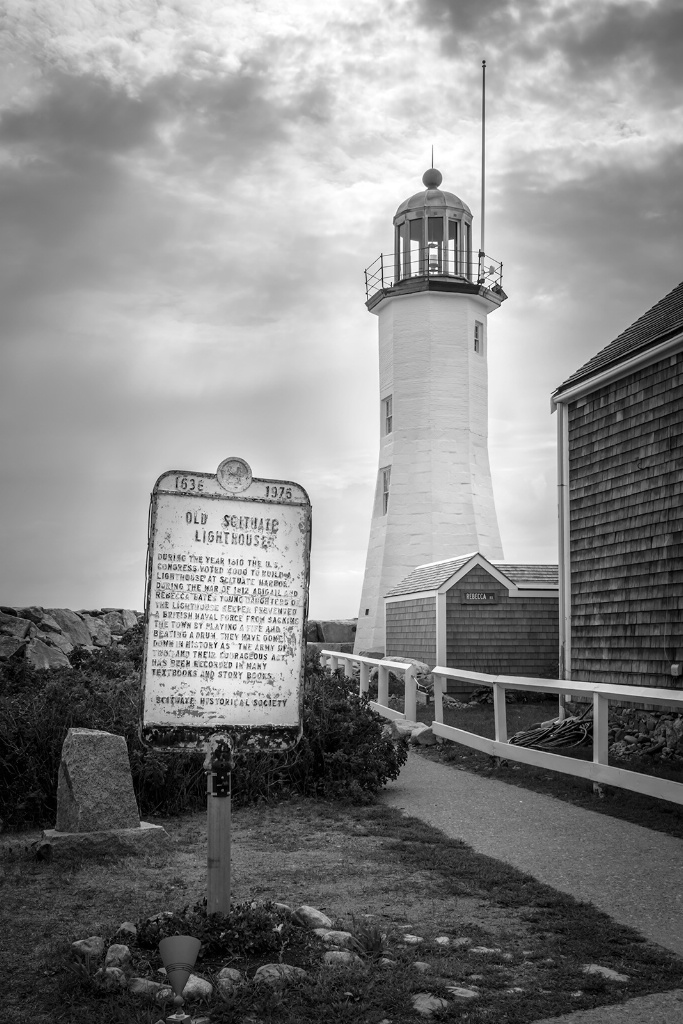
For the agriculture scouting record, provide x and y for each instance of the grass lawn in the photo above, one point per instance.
(524, 958)
(661, 815)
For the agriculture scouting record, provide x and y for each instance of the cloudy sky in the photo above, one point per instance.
(189, 193)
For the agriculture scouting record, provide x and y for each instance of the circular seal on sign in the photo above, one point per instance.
(234, 475)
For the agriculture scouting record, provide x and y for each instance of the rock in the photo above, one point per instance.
(9, 646)
(312, 633)
(514, 991)
(145, 840)
(40, 656)
(197, 988)
(341, 956)
(229, 979)
(92, 947)
(386, 961)
(128, 930)
(311, 917)
(114, 620)
(13, 625)
(462, 993)
(110, 979)
(130, 618)
(100, 632)
(277, 974)
(153, 990)
(485, 949)
(33, 612)
(462, 941)
(442, 940)
(72, 626)
(421, 966)
(58, 640)
(333, 938)
(412, 940)
(606, 972)
(283, 906)
(426, 1004)
(95, 787)
(423, 736)
(118, 955)
(399, 729)
(337, 631)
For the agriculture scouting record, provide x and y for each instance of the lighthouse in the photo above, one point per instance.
(433, 496)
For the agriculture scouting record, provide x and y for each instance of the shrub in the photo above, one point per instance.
(342, 753)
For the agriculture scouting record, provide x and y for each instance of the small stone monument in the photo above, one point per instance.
(96, 808)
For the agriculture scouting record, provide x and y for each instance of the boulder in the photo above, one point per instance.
(95, 787)
(40, 655)
(339, 631)
(423, 736)
(91, 947)
(197, 988)
(14, 625)
(276, 974)
(58, 640)
(130, 618)
(150, 990)
(426, 1004)
(9, 645)
(118, 955)
(229, 979)
(100, 632)
(334, 938)
(311, 917)
(34, 613)
(114, 620)
(341, 956)
(72, 625)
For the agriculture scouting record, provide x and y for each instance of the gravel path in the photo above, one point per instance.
(632, 873)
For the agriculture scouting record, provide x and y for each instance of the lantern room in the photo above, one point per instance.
(433, 233)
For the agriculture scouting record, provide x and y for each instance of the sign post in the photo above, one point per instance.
(228, 567)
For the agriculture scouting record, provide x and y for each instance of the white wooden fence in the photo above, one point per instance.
(598, 770)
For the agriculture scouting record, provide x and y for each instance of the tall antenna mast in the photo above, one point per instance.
(483, 151)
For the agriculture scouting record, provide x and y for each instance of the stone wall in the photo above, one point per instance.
(45, 637)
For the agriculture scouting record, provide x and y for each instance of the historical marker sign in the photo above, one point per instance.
(227, 595)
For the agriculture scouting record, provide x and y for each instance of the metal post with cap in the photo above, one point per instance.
(218, 766)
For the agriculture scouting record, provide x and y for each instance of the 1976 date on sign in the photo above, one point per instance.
(278, 492)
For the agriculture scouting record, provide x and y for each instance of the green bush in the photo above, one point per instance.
(342, 753)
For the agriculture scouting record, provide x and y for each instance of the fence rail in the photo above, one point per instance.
(598, 770)
(432, 261)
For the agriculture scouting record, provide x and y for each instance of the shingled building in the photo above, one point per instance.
(477, 614)
(620, 443)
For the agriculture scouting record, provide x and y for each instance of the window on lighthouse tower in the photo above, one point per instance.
(387, 417)
(386, 478)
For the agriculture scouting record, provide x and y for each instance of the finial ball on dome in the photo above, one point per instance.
(432, 178)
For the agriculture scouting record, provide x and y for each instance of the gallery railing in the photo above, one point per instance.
(434, 260)
(598, 770)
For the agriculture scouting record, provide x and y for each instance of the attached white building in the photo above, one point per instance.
(434, 496)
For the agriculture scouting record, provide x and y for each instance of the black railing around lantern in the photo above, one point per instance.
(390, 269)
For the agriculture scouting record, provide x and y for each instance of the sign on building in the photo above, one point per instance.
(227, 593)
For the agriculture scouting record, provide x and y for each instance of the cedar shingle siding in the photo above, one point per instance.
(411, 629)
(626, 513)
(515, 636)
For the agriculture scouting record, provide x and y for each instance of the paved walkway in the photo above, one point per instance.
(632, 873)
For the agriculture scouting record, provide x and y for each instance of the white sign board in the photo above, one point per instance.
(227, 595)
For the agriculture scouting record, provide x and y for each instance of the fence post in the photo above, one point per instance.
(333, 663)
(439, 683)
(410, 698)
(383, 686)
(348, 670)
(600, 737)
(364, 677)
(499, 713)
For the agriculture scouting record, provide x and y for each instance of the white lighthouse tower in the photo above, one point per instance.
(434, 498)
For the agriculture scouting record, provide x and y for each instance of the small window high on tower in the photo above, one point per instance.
(387, 416)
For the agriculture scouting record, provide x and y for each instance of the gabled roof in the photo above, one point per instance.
(660, 323)
(434, 575)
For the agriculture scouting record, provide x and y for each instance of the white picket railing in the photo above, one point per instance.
(598, 770)
(381, 705)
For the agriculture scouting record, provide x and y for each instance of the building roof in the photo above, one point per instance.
(434, 200)
(664, 320)
(435, 574)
